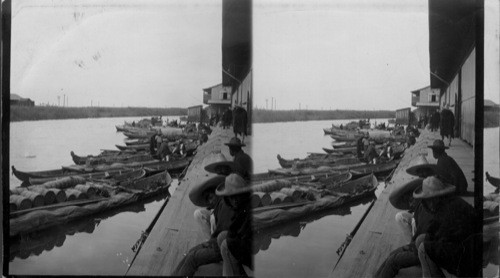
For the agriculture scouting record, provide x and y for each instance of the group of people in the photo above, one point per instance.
(225, 216)
(161, 149)
(437, 221)
(444, 121)
(367, 151)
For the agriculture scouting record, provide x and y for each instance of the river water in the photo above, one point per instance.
(99, 245)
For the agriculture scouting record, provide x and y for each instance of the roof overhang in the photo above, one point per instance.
(236, 41)
(452, 37)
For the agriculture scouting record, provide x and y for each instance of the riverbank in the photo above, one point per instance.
(176, 231)
(379, 234)
(35, 113)
(270, 116)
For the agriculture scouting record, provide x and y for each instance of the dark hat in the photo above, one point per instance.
(235, 142)
(432, 187)
(220, 161)
(438, 145)
(400, 193)
(420, 163)
(196, 194)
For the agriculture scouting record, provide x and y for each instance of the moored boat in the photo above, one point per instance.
(314, 200)
(111, 158)
(378, 170)
(24, 176)
(96, 175)
(326, 160)
(39, 218)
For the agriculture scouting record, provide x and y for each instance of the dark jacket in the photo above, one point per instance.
(447, 123)
(450, 172)
(448, 241)
(240, 236)
(240, 120)
(244, 164)
(223, 216)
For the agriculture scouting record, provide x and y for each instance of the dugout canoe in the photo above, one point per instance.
(111, 158)
(345, 137)
(172, 165)
(332, 151)
(24, 176)
(311, 171)
(316, 161)
(334, 197)
(138, 147)
(96, 175)
(493, 180)
(378, 170)
(40, 218)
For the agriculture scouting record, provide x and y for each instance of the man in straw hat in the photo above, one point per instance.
(236, 243)
(241, 159)
(449, 241)
(413, 221)
(203, 195)
(448, 168)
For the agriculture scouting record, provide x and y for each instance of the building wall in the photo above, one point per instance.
(468, 107)
(243, 94)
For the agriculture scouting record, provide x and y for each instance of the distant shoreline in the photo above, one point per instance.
(37, 113)
(272, 116)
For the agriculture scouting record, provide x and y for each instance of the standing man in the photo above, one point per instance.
(242, 160)
(447, 167)
(447, 125)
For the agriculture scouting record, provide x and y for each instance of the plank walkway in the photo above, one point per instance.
(176, 230)
(379, 234)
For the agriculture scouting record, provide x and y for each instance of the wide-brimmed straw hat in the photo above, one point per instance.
(438, 144)
(401, 193)
(196, 194)
(220, 161)
(235, 142)
(433, 187)
(421, 163)
(233, 185)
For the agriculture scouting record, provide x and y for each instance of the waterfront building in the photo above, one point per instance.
(426, 100)
(452, 51)
(16, 100)
(218, 98)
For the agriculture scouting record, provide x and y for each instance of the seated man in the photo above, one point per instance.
(448, 168)
(208, 252)
(413, 223)
(448, 242)
(371, 155)
(243, 161)
(236, 244)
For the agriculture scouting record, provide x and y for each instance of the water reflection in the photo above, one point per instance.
(34, 244)
(264, 237)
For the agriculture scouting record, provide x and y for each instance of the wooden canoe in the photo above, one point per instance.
(346, 137)
(138, 147)
(493, 180)
(173, 165)
(316, 161)
(96, 175)
(333, 197)
(111, 158)
(378, 170)
(24, 176)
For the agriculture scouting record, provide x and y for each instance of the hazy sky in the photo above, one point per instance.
(321, 54)
(340, 54)
(130, 53)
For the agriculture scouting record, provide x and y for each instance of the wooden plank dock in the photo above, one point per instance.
(176, 230)
(379, 234)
